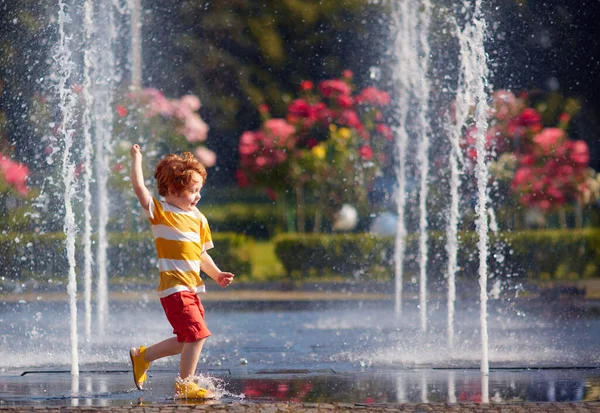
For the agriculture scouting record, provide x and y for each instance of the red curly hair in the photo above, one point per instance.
(174, 173)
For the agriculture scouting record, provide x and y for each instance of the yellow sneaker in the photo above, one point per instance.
(139, 365)
(190, 390)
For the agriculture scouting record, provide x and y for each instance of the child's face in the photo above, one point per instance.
(189, 197)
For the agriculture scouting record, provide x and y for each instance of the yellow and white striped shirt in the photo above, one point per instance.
(181, 237)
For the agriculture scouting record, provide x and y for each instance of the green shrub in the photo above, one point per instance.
(42, 256)
(538, 254)
(327, 255)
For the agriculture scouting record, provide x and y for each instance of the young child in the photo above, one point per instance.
(182, 237)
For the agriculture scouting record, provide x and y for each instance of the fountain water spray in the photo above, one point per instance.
(89, 62)
(411, 48)
(63, 58)
(422, 89)
(401, 79)
(104, 91)
(100, 76)
(474, 60)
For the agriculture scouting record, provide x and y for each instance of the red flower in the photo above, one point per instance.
(323, 113)
(263, 109)
(306, 86)
(347, 74)
(344, 101)
(530, 118)
(121, 111)
(366, 152)
(564, 117)
(301, 108)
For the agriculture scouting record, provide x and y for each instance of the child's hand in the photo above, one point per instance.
(224, 279)
(135, 149)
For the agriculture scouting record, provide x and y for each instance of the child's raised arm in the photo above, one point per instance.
(137, 177)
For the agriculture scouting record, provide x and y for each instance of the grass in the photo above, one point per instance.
(265, 265)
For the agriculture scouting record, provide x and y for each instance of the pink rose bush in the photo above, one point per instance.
(169, 125)
(330, 144)
(550, 170)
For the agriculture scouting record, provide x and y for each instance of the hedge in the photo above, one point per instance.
(538, 254)
(42, 256)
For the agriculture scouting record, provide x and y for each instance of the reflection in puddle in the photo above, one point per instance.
(406, 386)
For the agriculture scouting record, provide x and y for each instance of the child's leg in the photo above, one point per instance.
(165, 348)
(190, 354)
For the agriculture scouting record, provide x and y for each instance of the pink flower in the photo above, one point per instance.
(580, 153)
(191, 101)
(330, 88)
(206, 156)
(158, 104)
(279, 129)
(374, 97)
(385, 130)
(15, 174)
(248, 143)
(549, 139)
(347, 74)
(194, 129)
(523, 176)
(349, 117)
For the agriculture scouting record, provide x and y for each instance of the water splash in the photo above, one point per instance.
(215, 386)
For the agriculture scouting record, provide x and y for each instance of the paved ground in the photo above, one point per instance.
(582, 407)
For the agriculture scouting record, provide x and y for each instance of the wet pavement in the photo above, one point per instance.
(292, 351)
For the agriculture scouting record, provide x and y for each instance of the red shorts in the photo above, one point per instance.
(186, 315)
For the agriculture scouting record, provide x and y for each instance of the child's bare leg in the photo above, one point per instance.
(190, 354)
(165, 348)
